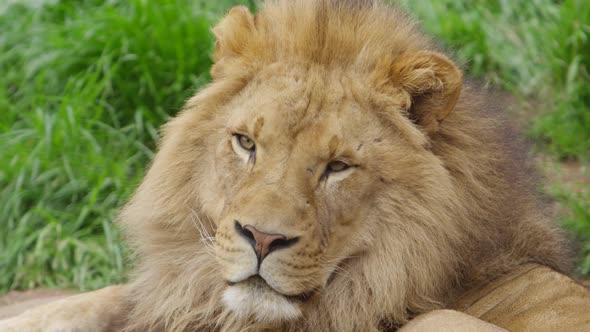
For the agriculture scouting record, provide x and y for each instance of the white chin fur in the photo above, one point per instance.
(263, 304)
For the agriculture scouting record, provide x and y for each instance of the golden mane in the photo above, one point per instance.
(346, 34)
(495, 220)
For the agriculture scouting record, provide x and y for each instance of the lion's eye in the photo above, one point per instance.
(337, 166)
(246, 142)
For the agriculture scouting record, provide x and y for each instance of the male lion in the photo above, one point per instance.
(336, 175)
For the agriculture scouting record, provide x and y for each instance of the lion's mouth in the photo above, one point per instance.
(258, 282)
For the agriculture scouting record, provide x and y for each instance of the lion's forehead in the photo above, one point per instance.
(321, 112)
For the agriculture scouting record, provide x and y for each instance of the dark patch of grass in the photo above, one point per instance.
(577, 220)
(567, 125)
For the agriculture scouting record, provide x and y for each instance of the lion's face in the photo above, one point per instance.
(297, 164)
(306, 172)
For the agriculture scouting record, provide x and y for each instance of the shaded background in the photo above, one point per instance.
(84, 86)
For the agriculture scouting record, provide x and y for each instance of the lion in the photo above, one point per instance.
(337, 174)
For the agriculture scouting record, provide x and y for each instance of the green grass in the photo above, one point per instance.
(578, 221)
(84, 85)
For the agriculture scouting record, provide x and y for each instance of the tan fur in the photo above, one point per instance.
(530, 298)
(440, 200)
(98, 311)
(445, 320)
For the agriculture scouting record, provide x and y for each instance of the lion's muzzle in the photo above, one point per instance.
(263, 243)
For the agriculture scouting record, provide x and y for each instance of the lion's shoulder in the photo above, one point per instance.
(532, 297)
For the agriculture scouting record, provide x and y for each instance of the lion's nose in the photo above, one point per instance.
(264, 243)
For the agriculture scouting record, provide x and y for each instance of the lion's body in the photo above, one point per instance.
(430, 210)
(530, 298)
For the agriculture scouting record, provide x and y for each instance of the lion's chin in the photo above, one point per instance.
(259, 302)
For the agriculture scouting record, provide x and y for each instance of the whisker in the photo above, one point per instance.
(207, 239)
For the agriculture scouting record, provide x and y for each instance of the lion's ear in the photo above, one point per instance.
(434, 84)
(231, 37)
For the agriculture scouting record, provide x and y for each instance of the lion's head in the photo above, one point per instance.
(303, 166)
(332, 176)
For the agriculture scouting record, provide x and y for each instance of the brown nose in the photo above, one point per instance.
(263, 243)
